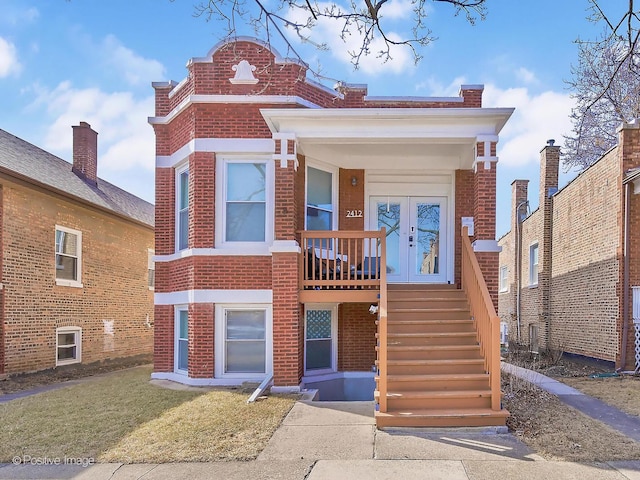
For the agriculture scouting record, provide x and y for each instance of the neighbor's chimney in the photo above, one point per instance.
(85, 152)
(549, 169)
(518, 202)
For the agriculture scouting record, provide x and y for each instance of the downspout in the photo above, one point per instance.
(625, 281)
(518, 267)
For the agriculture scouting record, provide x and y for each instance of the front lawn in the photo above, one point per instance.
(123, 418)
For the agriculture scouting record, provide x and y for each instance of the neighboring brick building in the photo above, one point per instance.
(76, 260)
(255, 162)
(578, 271)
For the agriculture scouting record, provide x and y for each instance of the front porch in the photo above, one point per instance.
(438, 348)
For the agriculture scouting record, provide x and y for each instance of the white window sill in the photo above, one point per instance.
(60, 363)
(533, 285)
(506, 290)
(68, 283)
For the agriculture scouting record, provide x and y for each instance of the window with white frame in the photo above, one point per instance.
(533, 264)
(182, 207)
(244, 202)
(68, 345)
(181, 336)
(151, 269)
(245, 341)
(68, 246)
(319, 214)
(504, 283)
(320, 339)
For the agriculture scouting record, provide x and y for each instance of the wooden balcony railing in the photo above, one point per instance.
(486, 321)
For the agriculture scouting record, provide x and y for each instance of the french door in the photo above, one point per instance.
(416, 243)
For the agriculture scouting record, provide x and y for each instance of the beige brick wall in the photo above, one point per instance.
(585, 273)
(114, 276)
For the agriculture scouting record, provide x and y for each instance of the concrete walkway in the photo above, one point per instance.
(338, 440)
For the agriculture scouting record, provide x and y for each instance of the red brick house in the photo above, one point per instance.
(569, 277)
(277, 200)
(75, 260)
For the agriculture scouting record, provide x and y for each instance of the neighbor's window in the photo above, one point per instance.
(151, 269)
(68, 256)
(245, 341)
(182, 200)
(504, 284)
(68, 345)
(533, 264)
(245, 202)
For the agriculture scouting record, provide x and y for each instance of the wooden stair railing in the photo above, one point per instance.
(486, 320)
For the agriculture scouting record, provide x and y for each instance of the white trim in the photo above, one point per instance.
(220, 339)
(249, 99)
(336, 376)
(333, 308)
(176, 338)
(219, 145)
(213, 296)
(285, 246)
(486, 246)
(258, 250)
(220, 205)
(77, 282)
(203, 382)
(77, 331)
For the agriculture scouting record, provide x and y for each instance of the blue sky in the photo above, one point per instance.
(66, 61)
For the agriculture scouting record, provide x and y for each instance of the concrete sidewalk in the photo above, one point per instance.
(338, 440)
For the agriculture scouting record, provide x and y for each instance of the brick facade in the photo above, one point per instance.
(577, 304)
(210, 116)
(114, 277)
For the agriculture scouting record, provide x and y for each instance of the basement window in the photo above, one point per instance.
(68, 345)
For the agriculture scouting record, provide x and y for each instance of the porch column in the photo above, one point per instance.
(485, 244)
(288, 329)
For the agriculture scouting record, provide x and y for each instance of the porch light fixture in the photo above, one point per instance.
(354, 181)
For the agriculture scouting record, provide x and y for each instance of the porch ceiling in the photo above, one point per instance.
(373, 138)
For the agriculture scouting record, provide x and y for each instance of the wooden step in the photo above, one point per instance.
(437, 382)
(435, 367)
(422, 287)
(409, 326)
(432, 352)
(437, 400)
(437, 302)
(470, 417)
(435, 338)
(428, 314)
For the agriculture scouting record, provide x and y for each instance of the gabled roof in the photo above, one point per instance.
(29, 163)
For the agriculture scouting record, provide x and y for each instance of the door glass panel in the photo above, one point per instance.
(389, 217)
(318, 343)
(428, 238)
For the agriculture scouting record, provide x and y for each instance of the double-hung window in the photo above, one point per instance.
(181, 344)
(182, 201)
(504, 283)
(68, 345)
(151, 269)
(68, 247)
(320, 202)
(244, 202)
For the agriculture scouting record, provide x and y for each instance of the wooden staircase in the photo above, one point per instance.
(436, 373)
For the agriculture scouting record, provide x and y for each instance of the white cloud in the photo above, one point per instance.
(125, 140)
(435, 88)
(329, 31)
(16, 15)
(136, 69)
(537, 118)
(9, 63)
(525, 75)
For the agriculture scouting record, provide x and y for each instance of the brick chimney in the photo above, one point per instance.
(85, 153)
(518, 198)
(549, 167)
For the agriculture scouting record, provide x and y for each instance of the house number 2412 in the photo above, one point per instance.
(354, 213)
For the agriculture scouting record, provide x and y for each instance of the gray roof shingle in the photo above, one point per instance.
(20, 157)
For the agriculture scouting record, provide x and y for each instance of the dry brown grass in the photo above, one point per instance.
(122, 417)
(622, 392)
(559, 432)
